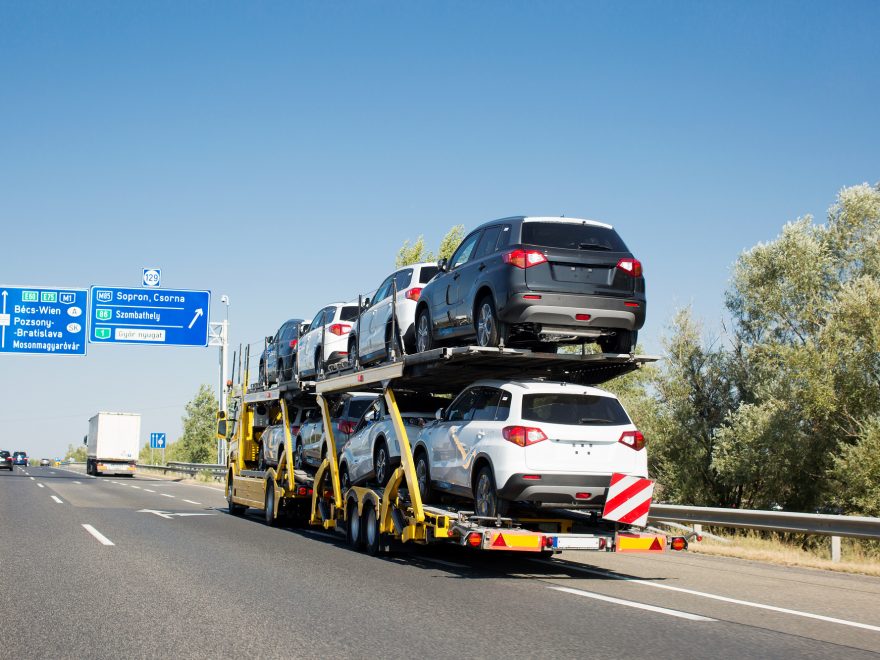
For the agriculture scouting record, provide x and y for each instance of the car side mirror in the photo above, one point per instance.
(438, 414)
(366, 302)
(85, 439)
(443, 265)
(270, 339)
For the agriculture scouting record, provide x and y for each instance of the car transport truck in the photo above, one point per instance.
(113, 443)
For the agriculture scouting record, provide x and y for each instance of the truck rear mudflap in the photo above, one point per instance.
(116, 468)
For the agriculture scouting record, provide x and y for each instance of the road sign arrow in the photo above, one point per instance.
(198, 313)
(161, 514)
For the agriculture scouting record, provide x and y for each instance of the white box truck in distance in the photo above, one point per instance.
(113, 443)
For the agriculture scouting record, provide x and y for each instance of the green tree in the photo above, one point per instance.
(198, 442)
(417, 252)
(76, 453)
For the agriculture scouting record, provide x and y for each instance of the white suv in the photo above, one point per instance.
(326, 341)
(372, 339)
(552, 444)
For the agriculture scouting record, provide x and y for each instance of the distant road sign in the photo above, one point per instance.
(138, 316)
(37, 320)
(152, 277)
(157, 441)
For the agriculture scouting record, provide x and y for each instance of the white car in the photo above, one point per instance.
(547, 443)
(372, 339)
(272, 439)
(326, 341)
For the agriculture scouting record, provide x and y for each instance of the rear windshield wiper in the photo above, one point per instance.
(595, 420)
(593, 246)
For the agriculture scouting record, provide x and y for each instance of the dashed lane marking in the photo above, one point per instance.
(166, 495)
(94, 532)
(632, 603)
(57, 499)
(40, 485)
(191, 502)
(147, 490)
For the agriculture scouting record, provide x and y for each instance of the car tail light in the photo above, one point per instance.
(523, 435)
(632, 439)
(293, 343)
(631, 304)
(582, 317)
(339, 329)
(414, 293)
(532, 477)
(582, 496)
(531, 296)
(346, 427)
(630, 266)
(524, 258)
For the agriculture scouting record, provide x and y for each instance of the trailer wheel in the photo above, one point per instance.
(234, 509)
(269, 509)
(353, 528)
(372, 536)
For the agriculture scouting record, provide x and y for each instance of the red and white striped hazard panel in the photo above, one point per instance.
(628, 500)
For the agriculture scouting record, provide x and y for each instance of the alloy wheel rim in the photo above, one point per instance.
(421, 475)
(380, 465)
(483, 496)
(422, 333)
(485, 325)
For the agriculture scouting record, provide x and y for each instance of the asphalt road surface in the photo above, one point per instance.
(115, 567)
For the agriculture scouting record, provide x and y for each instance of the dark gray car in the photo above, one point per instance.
(278, 360)
(535, 282)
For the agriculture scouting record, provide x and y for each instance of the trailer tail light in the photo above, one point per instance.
(346, 427)
(339, 329)
(523, 435)
(524, 258)
(293, 343)
(679, 543)
(474, 539)
(547, 542)
(602, 543)
(414, 293)
(303, 491)
(633, 440)
(630, 266)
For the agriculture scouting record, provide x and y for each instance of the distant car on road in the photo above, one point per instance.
(5, 460)
(20, 458)
(45, 462)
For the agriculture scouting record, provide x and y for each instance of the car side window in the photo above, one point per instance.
(403, 279)
(503, 238)
(486, 404)
(329, 315)
(465, 250)
(382, 292)
(461, 408)
(488, 242)
(316, 323)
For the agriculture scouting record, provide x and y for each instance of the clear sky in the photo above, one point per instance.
(280, 152)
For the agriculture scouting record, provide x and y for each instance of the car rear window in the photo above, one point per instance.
(4, 453)
(427, 274)
(349, 313)
(572, 236)
(573, 409)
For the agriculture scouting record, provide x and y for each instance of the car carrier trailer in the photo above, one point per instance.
(373, 518)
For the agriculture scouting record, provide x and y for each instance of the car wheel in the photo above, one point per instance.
(424, 337)
(392, 343)
(624, 341)
(298, 456)
(370, 525)
(353, 528)
(269, 509)
(234, 509)
(381, 463)
(344, 478)
(490, 331)
(423, 477)
(486, 500)
(353, 358)
(318, 365)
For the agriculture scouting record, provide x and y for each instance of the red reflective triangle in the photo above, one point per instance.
(499, 542)
(656, 544)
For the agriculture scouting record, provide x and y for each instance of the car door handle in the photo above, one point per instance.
(481, 435)
(456, 276)
(482, 267)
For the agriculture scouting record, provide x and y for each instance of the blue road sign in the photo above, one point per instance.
(144, 316)
(39, 320)
(157, 441)
(152, 277)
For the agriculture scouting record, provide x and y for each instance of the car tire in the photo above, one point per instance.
(298, 456)
(423, 476)
(489, 330)
(354, 535)
(318, 360)
(381, 463)
(424, 333)
(624, 341)
(353, 357)
(344, 478)
(392, 342)
(486, 500)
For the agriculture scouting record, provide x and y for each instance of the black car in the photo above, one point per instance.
(535, 282)
(278, 360)
(5, 460)
(19, 458)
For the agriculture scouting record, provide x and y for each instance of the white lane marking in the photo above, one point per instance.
(31, 478)
(57, 499)
(443, 562)
(725, 599)
(166, 495)
(631, 603)
(191, 502)
(133, 486)
(94, 532)
(40, 485)
(78, 483)
(147, 490)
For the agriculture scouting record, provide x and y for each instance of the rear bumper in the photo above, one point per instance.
(557, 489)
(557, 312)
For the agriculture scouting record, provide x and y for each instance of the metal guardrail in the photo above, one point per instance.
(775, 521)
(178, 467)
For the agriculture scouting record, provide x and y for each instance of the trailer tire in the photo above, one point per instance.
(354, 534)
(370, 531)
(269, 509)
(234, 509)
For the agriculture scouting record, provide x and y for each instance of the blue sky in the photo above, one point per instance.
(280, 152)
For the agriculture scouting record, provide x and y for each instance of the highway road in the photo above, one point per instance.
(114, 567)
